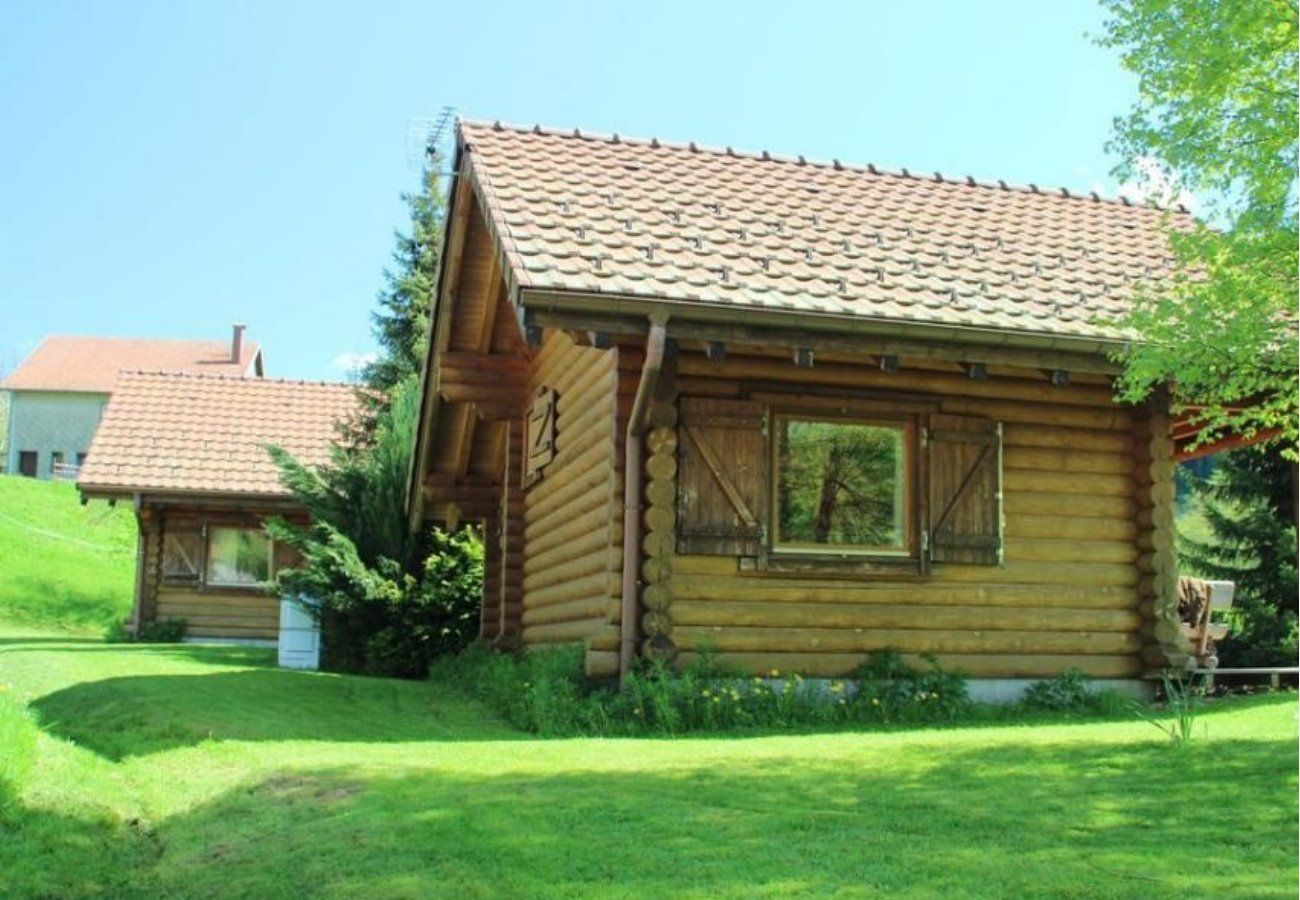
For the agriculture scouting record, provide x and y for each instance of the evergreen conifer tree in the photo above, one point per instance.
(1249, 502)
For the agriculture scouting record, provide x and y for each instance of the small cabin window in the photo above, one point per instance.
(841, 486)
(238, 557)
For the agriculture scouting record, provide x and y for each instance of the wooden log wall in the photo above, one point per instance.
(208, 612)
(572, 516)
(1082, 511)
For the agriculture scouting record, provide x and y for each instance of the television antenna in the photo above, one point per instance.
(426, 136)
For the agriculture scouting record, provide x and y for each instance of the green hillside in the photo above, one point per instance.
(63, 564)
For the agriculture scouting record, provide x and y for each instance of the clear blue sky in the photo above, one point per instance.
(169, 168)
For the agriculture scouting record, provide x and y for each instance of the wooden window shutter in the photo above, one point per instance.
(964, 457)
(182, 550)
(722, 477)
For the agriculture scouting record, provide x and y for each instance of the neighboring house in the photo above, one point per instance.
(189, 451)
(845, 410)
(57, 395)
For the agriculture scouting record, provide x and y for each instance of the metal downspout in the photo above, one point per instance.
(656, 340)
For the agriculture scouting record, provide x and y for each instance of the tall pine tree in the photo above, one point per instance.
(402, 319)
(1249, 502)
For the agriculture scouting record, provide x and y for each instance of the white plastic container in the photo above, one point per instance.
(299, 636)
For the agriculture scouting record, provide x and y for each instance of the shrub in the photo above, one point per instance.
(158, 631)
(546, 692)
(1067, 691)
(161, 631)
(889, 690)
(388, 601)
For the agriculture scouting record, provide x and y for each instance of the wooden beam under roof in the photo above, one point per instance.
(493, 292)
(863, 344)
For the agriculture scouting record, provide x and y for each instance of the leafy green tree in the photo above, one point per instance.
(1217, 115)
(402, 320)
(1249, 502)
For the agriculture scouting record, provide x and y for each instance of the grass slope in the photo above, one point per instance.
(62, 564)
(199, 772)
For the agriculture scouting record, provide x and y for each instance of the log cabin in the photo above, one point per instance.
(189, 452)
(795, 412)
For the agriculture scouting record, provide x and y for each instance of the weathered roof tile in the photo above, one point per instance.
(172, 431)
(576, 211)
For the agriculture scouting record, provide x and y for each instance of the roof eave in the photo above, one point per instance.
(602, 304)
(156, 494)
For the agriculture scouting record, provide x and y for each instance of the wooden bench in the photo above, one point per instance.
(1205, 597)
(1274, 673)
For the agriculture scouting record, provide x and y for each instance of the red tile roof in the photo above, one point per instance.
(578, 212)
(91, 364)
(168, 432)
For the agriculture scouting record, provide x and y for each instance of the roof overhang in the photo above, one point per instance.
(625, 314)
(173, 497)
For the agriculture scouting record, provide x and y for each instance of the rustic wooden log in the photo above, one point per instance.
(572, 610)
(573, 569)
(975, 665)
(1066, 527)
(1028, 434)
(1030, 481)
(804, 591)
(1053, 459)
(1103, 507)
(751, 368)
(1113, 418)
(1083, 551)
(1013, 572)
(560, 632)
(902, 616)
(596, 584)
(840, 640)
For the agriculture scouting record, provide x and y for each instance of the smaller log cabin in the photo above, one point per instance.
(189, 452)
(796, 411)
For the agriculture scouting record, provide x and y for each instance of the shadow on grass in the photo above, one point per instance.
(142, 714)
(1082, 820)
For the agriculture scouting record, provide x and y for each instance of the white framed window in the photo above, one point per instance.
(238, 557)
(842, 485)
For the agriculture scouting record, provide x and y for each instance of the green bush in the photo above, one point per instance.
(1067, 691)
(159, 631)
(546, 692)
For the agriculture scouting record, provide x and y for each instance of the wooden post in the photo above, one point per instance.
(1164, 644)
(660, 528)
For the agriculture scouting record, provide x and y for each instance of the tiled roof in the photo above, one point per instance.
(577, 212)
(172, 432)
(66, 363)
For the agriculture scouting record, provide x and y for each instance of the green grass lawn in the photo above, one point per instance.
(63, 564)
(129, 770)
(200, 772)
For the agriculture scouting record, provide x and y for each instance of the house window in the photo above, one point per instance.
(27, 461)
(238, 557)
(81, 459)
(56, 460)
(841, 485)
